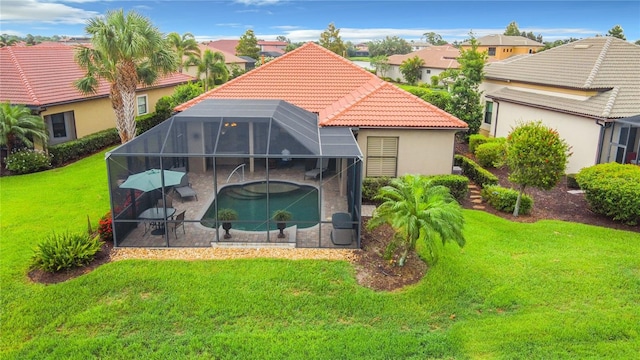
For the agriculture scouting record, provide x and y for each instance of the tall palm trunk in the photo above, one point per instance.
(116, 104)
(127, 83)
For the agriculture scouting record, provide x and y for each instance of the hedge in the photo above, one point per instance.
(371, 186)
(475, 172)
(458, 186)
(503, 199)
(73, 150)
(613, 190)
(476, 140)
(491, 154)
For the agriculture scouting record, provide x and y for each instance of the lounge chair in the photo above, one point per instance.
(321, 167)
(342, 233)
(184, 189)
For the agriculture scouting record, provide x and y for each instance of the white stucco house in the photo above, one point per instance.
(588, 90)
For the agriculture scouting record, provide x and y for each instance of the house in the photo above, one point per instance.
(500, 47)
(361, 49)
(588, 90)
(397, 132)
(230, 60)
(436, 60)
(267, 48)
(42, 76)
(417, 45)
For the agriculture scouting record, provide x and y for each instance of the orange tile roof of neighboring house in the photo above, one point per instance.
(342, 93)
(229, 58)
(225, 45)
(44, 75)
(440, 57)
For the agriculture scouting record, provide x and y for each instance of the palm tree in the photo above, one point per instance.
(184, 46)
(213, 66)
(417, 210)
(17, 123)
(126, 50)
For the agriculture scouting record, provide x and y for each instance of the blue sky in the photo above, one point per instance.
(359, 20)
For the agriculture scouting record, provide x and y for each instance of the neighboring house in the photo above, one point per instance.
(361, 49)
(589, 90)
(436, 60)
(267, 48)
(416, 45)
(397, 132)
(42, 76)
(500, 47)
(229, 58)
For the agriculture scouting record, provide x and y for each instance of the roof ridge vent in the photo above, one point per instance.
(596, 66)
(581, 46)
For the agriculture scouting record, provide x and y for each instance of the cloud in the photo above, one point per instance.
(34, 11)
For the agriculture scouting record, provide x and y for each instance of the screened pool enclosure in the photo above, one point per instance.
(173, 185)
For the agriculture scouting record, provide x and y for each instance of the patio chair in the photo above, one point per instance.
(179, 222)
(321, 167)
(161, 203)
(184, 189)
(342, 233)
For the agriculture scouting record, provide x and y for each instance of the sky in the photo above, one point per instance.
(358, 20)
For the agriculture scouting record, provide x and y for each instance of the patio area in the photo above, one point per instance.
(197, 235)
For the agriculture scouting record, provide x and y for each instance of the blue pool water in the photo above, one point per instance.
(250, 201)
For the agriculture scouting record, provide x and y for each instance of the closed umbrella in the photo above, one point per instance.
(151, 179)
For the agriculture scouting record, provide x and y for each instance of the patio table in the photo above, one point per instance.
(156, 213)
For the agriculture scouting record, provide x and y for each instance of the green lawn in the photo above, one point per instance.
(549, 290)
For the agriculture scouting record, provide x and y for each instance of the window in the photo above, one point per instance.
(428, 71)
(61, 127)
(142, 105)
(382, 156)
(492, 51)
(488, 112)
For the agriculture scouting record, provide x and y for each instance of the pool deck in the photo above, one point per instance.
(197, 235)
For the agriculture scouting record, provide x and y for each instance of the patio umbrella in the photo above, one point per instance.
(151, 180)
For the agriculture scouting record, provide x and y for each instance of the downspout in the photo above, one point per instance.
(604, 125)
(495, 126)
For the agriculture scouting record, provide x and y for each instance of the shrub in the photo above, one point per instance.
(105, 227)
(613, 190)
(75, 149)
(475, 140)
(491, 154)
(435, 80)
(572, 183)
(475, 172)
(458, 185)
(64, 251)
(371, 186)
(441, 99)
(503, 199)
(164, 106)
(28, 161)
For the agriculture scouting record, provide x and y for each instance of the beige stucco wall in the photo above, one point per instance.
(582, 134)
(426, 152)
(394, 73)
(95, 115)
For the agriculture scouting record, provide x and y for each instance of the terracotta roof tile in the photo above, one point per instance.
(439, 57)
(342, 93)
(42, 75)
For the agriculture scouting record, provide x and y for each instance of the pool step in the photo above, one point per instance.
(240, 193)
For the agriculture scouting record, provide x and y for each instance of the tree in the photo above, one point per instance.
(126, 50)
(263, 60)
(417, 210)
(248, 45)
(637, 42)
(18, 124)
(381, 64)
(434, 39)
(617, 32)
(283, 39)
(389, 46)
(212, 65)
(536, 156)
(184, 45)
(5, 40)
(330, 39)
(512, 29)
(411, 69)
(293, 46)
(465, 94)
(30, 40)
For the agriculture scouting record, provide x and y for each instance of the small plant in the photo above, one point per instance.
(503, 199)
(28, 161)
(105, 227)
(65, 251)
(227, 215)
(281, 216)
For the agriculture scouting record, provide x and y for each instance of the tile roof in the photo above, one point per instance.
(439, 57)
(229, 58)
(44, 75)
(505, 40)
(224, 45)
(342, 93)
(604, 64)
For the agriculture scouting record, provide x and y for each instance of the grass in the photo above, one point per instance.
(549, 290)
(360, 58)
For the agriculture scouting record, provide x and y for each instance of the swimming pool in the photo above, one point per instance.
(249, 200)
